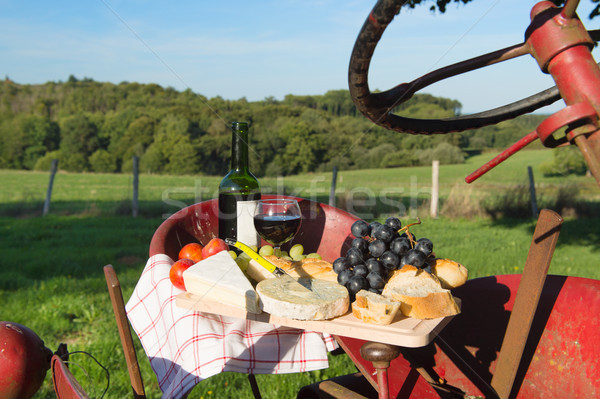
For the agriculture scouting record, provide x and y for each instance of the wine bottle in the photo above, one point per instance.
(239, 192)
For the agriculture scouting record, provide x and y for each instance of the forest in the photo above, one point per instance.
(99, 127)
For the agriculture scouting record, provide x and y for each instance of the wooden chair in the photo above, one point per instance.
(65, 385)
(116, 297)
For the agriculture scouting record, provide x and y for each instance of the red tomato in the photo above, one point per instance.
(191, 251)
(176, 272)
(214, 246)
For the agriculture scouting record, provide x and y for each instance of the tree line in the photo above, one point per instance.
(99, 127)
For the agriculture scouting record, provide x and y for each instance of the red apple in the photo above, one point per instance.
(214, 246)
(176, 272)
(191, 251)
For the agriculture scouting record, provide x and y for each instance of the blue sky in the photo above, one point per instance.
(257, 49)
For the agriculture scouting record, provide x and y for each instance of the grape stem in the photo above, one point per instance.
(410, 236)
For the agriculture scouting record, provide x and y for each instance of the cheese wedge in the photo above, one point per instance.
(218, 278)
(283, 298)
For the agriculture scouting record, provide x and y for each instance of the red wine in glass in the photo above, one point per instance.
(277, 229)
(277, 221)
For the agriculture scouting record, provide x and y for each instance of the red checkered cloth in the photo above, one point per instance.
(186, 347)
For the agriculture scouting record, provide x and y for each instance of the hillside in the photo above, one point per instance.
(95, 126)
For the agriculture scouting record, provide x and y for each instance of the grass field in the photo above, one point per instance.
(97, 194)
(51, 275)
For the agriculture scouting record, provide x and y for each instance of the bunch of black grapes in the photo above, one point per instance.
(376, 251)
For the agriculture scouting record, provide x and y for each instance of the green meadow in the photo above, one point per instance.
(51, 276)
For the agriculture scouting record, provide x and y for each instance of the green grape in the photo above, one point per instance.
(298, 257)
(233, 254)
(284, 254)
(314, 255)
(244, 256)
(254, 248)
(286, 257)
(266, 250)
(296, 250)
(242, 262)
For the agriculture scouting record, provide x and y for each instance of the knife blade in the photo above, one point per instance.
(274, 269)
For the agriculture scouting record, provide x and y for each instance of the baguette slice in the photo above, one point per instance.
(420, 293)
(308, 268)
(450, 273)
(374, 308)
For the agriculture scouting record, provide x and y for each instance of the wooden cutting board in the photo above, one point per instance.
(404, 331)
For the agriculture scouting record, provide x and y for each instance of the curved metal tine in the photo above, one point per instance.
(405, 90)
(569, 9)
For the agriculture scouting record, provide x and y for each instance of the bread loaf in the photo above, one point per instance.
(283, 298)
(450, 273)
(374, 308)
(420, 293)
(308, 267)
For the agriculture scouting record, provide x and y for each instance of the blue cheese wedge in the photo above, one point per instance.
(283, 298)
(218, 278)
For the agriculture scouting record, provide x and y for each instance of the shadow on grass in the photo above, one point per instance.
(36, 249)
(580, 232)
(148, 209)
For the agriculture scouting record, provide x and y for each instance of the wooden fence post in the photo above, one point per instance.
(534, 207)
(53, 168)
(134, 204)
(435, 188)
(333, 184)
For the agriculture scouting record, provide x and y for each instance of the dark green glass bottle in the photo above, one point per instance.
(239, 192)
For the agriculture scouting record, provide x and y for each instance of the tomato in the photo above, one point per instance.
(191, 251)
(214, 246)
(176, 272)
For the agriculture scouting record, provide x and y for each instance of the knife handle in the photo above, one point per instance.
(253, 255)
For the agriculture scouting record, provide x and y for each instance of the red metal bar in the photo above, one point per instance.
(382, 382)
(530, 137)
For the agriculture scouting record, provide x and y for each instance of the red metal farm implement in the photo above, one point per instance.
(557, 40)
(529, 335)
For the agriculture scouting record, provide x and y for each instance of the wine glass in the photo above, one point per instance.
(277, 221)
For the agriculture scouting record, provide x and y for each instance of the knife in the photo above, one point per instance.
(275, 270)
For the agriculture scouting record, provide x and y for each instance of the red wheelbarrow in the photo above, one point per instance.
(548, 347)
(324, 229)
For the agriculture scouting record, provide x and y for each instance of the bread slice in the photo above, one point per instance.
(308, 267)
(450, 273)
(374, 308)
(314, 268)
(420, 293)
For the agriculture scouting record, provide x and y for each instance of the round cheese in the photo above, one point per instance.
(284, 298)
